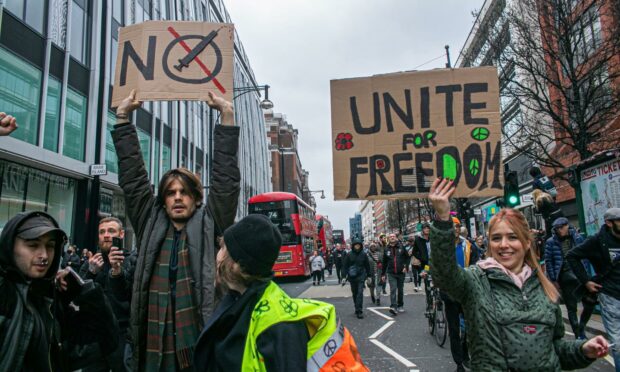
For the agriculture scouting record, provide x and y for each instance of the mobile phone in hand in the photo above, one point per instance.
(118, 243)
(74, 283)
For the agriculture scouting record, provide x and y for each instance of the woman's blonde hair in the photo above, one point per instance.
(540, 196)
(517, 222)
(230, 272)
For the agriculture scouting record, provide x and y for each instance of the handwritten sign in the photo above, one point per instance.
(167, 61)
(393, 134)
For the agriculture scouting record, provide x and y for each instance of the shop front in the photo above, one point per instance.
(23, 188)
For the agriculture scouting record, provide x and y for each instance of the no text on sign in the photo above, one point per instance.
(393, 134)
(166, 60)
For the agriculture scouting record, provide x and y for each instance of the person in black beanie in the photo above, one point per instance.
(256, 325)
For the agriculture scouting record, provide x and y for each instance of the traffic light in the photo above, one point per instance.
(511, 190)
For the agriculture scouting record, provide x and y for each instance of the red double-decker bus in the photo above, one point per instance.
(324, 229)
(296, 221)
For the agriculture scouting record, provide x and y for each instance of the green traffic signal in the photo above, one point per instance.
(511, 189)
(513, 200)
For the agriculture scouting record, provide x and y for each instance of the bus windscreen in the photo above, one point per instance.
(279, 213)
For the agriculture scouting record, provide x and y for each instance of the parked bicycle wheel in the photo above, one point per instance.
(431, 321)
(441, 324)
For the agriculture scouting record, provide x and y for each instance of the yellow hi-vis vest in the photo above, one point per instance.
(330, 347)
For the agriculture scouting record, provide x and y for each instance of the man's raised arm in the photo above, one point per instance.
(224, 189)
(132, 175)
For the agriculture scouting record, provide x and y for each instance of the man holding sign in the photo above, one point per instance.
(173, 286)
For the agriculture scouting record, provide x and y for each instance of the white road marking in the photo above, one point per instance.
(382, 329)
(374, 310)
(569, 333)
(396, 356)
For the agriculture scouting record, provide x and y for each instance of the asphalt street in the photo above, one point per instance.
(386, 342)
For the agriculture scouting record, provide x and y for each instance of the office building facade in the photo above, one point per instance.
(57, 62)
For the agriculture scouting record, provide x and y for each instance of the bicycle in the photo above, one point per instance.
(436, 314)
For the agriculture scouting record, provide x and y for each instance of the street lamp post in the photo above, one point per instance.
(265, 104)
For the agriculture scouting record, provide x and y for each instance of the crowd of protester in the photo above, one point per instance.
(195, 292)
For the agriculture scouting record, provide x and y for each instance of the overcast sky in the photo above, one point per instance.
(298, 46)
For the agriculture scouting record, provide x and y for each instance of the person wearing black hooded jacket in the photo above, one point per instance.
(356, 269)
(35, 316)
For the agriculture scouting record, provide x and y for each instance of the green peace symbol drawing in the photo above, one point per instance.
(474, 167)
(480, 133)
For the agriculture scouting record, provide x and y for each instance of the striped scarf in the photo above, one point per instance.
(171, 337)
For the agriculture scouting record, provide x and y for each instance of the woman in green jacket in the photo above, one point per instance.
(511, 309)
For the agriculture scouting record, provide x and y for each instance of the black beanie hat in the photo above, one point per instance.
(254, 243)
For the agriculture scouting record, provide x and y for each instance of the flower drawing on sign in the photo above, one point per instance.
(344, 141)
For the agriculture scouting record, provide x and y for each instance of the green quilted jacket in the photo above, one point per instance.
(508, 329)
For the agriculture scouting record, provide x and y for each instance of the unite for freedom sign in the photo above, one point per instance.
(393, 134)
(166, 61)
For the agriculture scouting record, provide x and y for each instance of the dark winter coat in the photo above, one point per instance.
(507, 327)
(395, 259)
(602, 250)
(554, 257)
(35, 319)
(360, 260)
(151, 223)
(419, 250)
(72, 260)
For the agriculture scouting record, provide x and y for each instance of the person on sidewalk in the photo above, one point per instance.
(466, 256)
(339, 256)
(603, 252)
(511, 311)
(565, 238)
(422, 251)
(395, 260)
(257, 326)
(546, 206)
(376, 262)
(357, 270)
(317, 264)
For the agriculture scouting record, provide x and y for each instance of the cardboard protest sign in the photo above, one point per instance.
(167, 61)
(393, 134)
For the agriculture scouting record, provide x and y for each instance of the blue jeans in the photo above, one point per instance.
(610, 307)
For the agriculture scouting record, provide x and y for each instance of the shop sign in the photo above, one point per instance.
(600, 190)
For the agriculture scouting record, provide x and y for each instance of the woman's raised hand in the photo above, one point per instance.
(441, 191)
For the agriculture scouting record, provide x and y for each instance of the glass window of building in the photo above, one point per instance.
(80, 31)
(60, 200)
(156, 159)
(144, 10)
(20, 89)
(75, 125)
(32, 12)
(145, 146)
(118, 9)
(166, 159)
(52, 115)
(12, 192)
(111, 160)
(27, 189)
